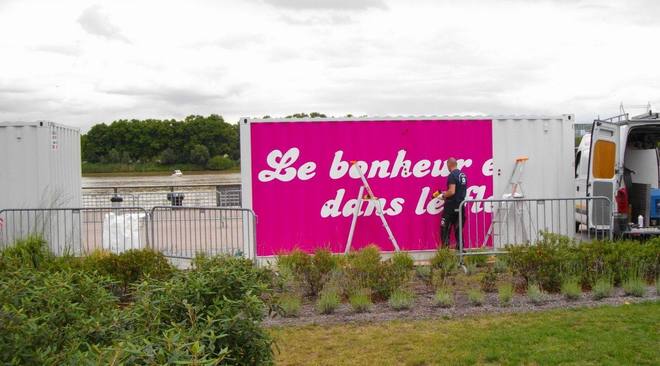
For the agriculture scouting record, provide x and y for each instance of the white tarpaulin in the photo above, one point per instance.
(121, 232)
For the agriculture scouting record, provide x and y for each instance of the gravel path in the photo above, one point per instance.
(424, 308)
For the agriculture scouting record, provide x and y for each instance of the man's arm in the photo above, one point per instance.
(451, 190)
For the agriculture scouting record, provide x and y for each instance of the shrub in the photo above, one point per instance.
(544, 263)
(505, 294)
(130, 266)
(478, 260)
(289, 305)
(401, 299)
(443, 298)
(365, 270)
(470, 268)
(571, 289)
(47, 316)
(220, 162)
(476, 297)
(616, 259)
(360, 300)
(403, 261)
(444, 262)
(602, 288)
(328, 301)
(424, 273)
(216, 306)
(30, 252)
(501, 265)
(634, 286)
(489, 281)
(535, 294)
(296, 270)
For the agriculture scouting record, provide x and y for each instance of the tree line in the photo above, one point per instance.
(207, 142)
(204, 141)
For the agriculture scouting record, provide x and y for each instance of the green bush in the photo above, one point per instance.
(478, 260)
(545, 263)
(30, 252)
(401, 299)
(360, 300)
(48, 316)
(602, 288)
(501, 265)
(290, 305)
(616, 259)
(535, 294)
(471, 268)
(489, 281)
(214, 310)
(505, 294)
(130, 266)
(424, 273)
(328, 301)
(62, 310)
(310, 272)
(444, 262)
(443, 298)
(571, 289)
(220, 162)
(365, 269)
(476, 297)
(403, 261)
(634, 286)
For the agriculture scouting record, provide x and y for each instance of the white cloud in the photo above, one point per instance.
(74, 64)
(96, 22)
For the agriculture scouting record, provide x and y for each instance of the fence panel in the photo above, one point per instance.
(494, 224)
(182, 232)
(77, 231)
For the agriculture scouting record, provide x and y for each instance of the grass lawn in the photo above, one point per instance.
(626, 335)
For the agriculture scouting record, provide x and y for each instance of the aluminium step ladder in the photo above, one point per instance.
(370, 196)
(501, 215)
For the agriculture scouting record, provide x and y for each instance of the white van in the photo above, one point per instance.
(619, 160)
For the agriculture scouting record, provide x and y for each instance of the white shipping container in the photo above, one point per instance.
(39, 165)
(547, 142)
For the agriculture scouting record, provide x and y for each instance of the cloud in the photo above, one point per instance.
(174, 94)
(61, 49)
(232, 41)
(95, 22)
(328, 4)
(334, 19)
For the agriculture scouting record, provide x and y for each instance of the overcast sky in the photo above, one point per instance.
(85, 62)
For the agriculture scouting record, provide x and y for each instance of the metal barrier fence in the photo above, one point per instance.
(77, 231)
(491, 225)
(186, 231)
(148, 200)
(180, 232)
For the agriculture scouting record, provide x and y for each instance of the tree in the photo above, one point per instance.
(220, 163)
(199, 155)
(305, 115)
(168, 156)
(113, 156)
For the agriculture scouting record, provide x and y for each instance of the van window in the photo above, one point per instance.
(604, 154)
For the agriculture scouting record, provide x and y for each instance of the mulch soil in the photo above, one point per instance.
(424, 308)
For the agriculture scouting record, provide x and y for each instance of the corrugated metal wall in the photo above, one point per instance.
(39, 165)
(548, 143)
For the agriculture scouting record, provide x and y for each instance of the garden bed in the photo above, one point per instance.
(424, 308)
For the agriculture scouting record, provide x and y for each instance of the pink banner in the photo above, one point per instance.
(304, 191)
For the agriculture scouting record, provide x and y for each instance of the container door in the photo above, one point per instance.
(603, 170)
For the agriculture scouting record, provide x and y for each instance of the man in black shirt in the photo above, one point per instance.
(453, 196)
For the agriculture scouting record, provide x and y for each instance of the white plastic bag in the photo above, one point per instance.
(121, 232)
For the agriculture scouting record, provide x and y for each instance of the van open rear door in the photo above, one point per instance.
(604, 167)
